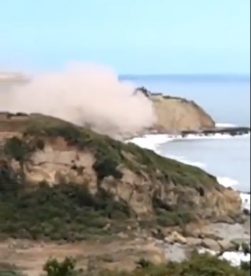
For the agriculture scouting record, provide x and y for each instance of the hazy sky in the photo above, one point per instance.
(133, 36)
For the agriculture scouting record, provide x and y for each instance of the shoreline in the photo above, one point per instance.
(217, 132)
(230, 131)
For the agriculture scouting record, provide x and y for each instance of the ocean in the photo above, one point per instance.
(227, 100)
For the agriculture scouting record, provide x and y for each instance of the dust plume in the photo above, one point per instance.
(85, 95)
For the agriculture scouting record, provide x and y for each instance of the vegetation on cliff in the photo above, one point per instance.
(63, 212)
(110, 153)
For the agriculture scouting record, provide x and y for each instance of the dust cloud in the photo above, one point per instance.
(85, 95)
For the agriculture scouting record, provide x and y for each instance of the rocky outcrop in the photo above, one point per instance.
(176, 114)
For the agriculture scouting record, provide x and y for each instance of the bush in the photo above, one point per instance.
(245, 266)
(173, 218)
(17, 149)
(64, 268)
(106, 167)
(8, 179)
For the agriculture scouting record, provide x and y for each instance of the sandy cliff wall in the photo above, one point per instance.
(176, 114)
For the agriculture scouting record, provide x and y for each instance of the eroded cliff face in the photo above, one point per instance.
(54, 165)
(145, 182)
(176, 114)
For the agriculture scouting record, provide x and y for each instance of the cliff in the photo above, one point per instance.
(175, 114)
(54, 175)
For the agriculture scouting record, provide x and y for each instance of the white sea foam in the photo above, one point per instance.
(152, 141)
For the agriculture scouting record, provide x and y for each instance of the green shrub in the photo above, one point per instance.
(17, 149)
(106, 167)
(39, 144)
(173, 218)
(63, 212)
(65, 268)
(245, 266)
(8, 179)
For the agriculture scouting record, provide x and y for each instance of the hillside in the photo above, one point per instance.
(62, 174)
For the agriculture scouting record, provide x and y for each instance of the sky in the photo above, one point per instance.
(131, 36)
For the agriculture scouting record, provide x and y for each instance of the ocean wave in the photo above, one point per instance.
(152, 141)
